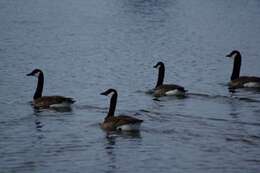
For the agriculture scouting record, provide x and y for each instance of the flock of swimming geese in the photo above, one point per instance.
(128, 123)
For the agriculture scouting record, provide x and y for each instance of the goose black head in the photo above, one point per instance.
(35, 72)
(233, 54)
(159, 64)
(109, 92)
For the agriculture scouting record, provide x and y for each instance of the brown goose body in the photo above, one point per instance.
(114, 123)
(40, 101)
(237, 81)
(52, 101)
(166, 89)
(244, 82)
(121, 122)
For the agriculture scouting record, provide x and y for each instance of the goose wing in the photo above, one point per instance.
(47, 101)
(239, 83)
(163, 89)
(168, 87)
(122, 120)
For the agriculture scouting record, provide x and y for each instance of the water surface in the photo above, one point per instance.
(85, 47)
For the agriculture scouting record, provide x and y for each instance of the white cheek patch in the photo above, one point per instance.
(37, 74)
(234, 55)
(111, 94)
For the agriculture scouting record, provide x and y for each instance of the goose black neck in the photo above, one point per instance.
(160, 76)
(38, 92)
(236, 67)
(112, 107)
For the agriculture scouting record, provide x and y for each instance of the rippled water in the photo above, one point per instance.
(85, 47)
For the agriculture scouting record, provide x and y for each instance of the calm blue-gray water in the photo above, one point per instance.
(87, 46)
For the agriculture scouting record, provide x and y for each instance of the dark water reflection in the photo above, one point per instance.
(85, 47)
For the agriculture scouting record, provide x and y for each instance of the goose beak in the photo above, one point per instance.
(103, 93)
(155, 66)
(29, 74)
(228, 55)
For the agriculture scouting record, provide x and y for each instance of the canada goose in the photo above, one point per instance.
(237, 81)
(166, 89)
(121, 122)
(40, 101)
